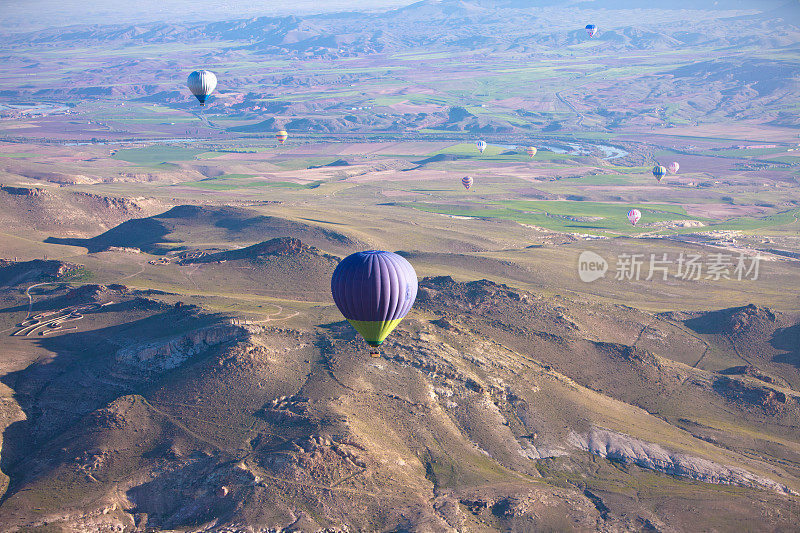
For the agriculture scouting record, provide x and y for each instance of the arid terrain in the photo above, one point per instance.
(171, 356)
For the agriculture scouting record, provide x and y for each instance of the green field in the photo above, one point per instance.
(156, 154)
(583, 217)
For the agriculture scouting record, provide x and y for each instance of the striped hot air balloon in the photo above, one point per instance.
(202, 83)
(282, 136)
(659, 172)
(634, 215)
(374, 290)
(591, 29)
(481, 146)
(674, 167)
(531, 151)
(466, 181)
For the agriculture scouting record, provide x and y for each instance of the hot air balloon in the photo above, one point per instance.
(374, 290)
(202, 83)
(659, 172)
(674, 167)
(591, 29)
(282, 136)
(531, 151)
(466, 181)
(481, 146)
(634, 215)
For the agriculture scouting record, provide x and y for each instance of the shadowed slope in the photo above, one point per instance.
(168, 231)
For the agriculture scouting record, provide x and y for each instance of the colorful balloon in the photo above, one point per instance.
(634, 215)
(374, 290)
(531, 151)
(659, 172)
(591, 29)
(481, 146)
(282, 136)
(674, 167)
(202, 83)
(466, 181)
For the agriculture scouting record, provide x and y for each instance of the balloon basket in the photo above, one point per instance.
(374, 353)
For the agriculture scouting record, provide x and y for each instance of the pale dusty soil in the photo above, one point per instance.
(411, 175)
(654, 190)
(511, 103)
(410, 148)
(535, 171)
(701, 163)
(405, 107)
(404, 194)
(720, 211)
(743, 131)
(415, 89)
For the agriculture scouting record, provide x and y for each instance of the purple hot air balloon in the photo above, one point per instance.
(374, 290)
(466, 181)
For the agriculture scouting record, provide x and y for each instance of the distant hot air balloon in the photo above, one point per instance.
(466, 181)
(481, 146)
(531, 151)
(374, 290)
(591, 29)
(282, 136)
(659, 172)
(674, 167)
(202, 83)
(634, 215)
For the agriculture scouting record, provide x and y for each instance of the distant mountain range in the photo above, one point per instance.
(479, 24)
(611, 4)
(674, 4)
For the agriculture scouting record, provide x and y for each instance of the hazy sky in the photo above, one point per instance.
(18, 15)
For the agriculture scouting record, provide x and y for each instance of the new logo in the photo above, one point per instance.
(591, 267)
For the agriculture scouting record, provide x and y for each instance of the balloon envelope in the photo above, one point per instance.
(202, 83)
(634, 215)
(531, 151)
(591, 29)
(674, 167)
(282, 136)
(374, 290)
(466, 181)
(659, 172)
(481, 145)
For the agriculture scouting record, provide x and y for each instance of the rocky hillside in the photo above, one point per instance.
(489, 408)
(283, 267)
(71, 213)
(16, 272)
(283, 246)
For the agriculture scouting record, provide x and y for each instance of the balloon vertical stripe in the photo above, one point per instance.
(202, 83)
(374, 290)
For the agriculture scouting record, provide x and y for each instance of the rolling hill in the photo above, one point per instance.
(169, 231)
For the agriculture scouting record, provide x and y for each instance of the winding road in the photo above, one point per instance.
(572, 108)
(30, 298)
